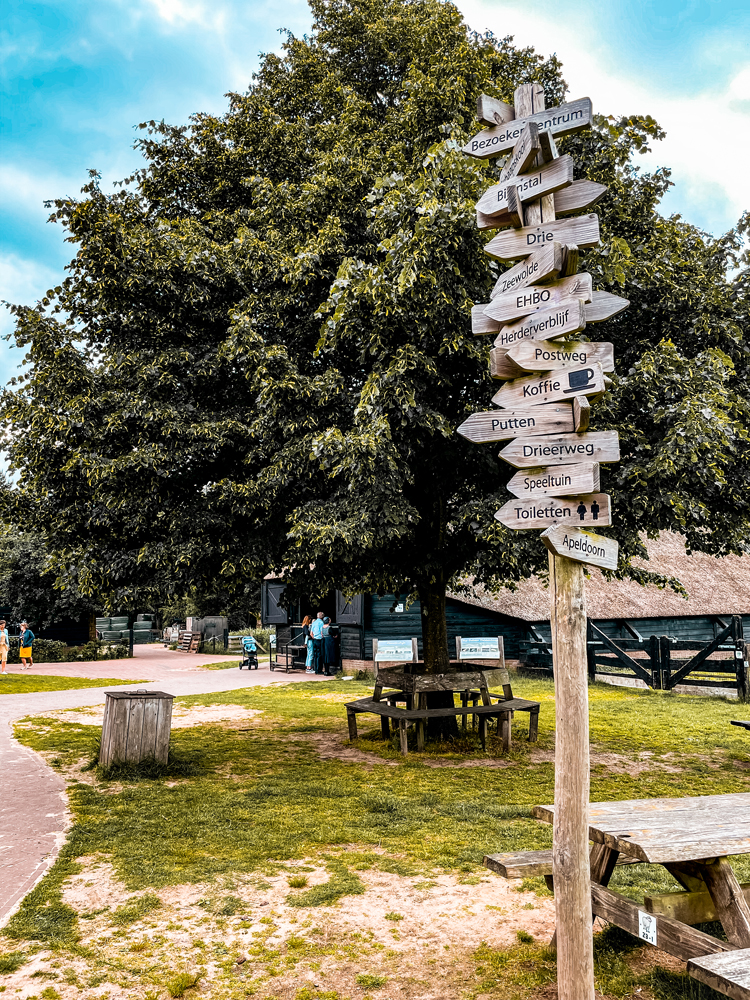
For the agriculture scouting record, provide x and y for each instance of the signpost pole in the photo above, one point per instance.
(570, 838)
(570, 851)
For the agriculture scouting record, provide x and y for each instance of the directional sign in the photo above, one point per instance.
(501, 367)
(583, 230)
(523, 153)
(523, 301)
(592, 508)
(603, 306)
(581, 380)
(533, 184)
(578, 195)
(563, 449)
(490, 111)
(500, 425)
(562, 120)
(549, 481)
(583, 546)
(547, 355)
(568, 317)
(540, 266)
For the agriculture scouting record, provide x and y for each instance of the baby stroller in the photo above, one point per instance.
(249, 653)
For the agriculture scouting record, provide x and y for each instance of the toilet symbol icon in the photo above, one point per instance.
(581, 510)
(595, 511)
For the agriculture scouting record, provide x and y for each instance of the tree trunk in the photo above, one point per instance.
(435, 655)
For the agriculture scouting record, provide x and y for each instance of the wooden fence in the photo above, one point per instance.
(720, 663)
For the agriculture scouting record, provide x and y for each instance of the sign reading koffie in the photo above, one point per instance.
(538, 309)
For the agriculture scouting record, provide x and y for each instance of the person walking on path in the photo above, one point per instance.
(27, 639)
(306, 623)
(316, 631)
(4, 645)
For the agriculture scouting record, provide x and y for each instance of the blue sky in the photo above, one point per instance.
(78, 76)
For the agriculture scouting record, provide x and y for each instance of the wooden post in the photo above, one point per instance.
(590, 653)
(529, 98)
(570, 852)
(665, 656)
(657, 679)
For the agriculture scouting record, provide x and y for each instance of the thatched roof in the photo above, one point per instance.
(715, 587)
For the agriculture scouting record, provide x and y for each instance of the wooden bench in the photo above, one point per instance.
(419, 716)
(725, 971)
(524, 864)
(737, 722)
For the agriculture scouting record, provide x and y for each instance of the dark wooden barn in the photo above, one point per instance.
(717, 589)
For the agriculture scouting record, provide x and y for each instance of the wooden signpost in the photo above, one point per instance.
(594, 446)
(547, 355)
(581, 380)
(543, 512)
(549, 481)
(500, 425)
(537, 308)
(523, 301)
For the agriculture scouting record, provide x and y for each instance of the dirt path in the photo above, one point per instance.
(33, 804)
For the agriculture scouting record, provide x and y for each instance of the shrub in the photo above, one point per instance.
(183, 981)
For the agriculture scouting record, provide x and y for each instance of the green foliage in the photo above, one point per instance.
(26, 683)
(342, 882)
(183, 981)
(54, 651)
(10, 961)
(136, 909)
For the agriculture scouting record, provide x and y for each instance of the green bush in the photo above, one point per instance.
(54, 651)
(261, 635)
(184, 981)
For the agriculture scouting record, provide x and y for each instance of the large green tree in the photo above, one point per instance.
(262, 349)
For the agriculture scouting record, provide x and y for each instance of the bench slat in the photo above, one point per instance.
(379, 708)
(526, 863)
(728, 972)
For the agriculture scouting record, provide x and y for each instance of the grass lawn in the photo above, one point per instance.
(227, 664)
(27, 683)
(164, 878)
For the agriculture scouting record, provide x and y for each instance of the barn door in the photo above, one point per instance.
(271, 611)
(348, 612)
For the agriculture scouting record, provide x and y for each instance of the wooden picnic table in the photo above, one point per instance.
(692, 838)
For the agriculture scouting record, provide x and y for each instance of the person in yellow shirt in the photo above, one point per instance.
(27, 638)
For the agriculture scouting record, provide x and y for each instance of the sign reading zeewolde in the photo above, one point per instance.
(540, 266)
(562, 120)
(583, 546)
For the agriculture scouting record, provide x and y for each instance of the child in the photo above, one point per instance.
(27, 638)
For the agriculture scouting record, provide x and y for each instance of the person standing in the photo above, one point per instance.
(307, 638)
(316, 631)
(4, 646)
(27, 640)
(329, 646)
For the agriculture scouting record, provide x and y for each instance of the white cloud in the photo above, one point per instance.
(708, 134)
(23, 282)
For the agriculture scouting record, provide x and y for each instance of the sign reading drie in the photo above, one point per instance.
(501, 425)
(558, 385)
(523, 301)
(592, 508)
(564, 449)
(540, 266)
(582, 546)
(481, 649)
(568, 317)
(582, 230)
(547, 355)
(533, 184)
(390, 650)
(562, 120)
(549, 481)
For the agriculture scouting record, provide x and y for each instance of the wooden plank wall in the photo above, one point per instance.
(700, 628)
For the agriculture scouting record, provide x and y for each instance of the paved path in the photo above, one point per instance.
(33, 804)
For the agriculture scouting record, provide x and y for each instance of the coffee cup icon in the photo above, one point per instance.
(580, 380)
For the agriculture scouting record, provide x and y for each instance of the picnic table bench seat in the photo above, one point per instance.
(738, 722)
(404, 716)
(726, 971)
(524, 864)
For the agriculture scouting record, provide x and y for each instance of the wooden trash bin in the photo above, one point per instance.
(136, 727)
